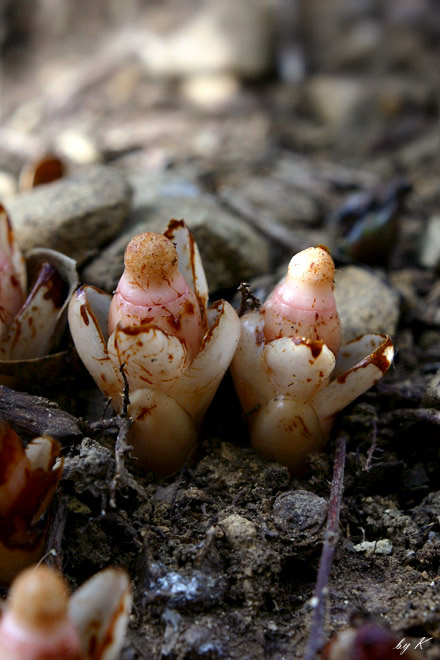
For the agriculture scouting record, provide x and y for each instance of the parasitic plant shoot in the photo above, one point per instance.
(291, 374)
(31, 322)
(368, 641)
(41, 622)
(174, 350)
(28, 479)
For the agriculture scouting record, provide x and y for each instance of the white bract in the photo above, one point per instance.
(41, 622)
(286, 373)
(174, 349)
(31, 322)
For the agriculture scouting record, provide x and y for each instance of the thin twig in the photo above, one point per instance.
(121, 445)
(54, 543)
(328, 549)
(248, 299)
(372, 448)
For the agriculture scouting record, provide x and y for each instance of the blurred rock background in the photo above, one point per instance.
(255, 108)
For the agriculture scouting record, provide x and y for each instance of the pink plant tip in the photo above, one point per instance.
(289, 374)
(153, 290)
(303, 304)
(36, 624)
(41, 621)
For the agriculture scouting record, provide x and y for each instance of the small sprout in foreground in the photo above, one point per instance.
(289, 369)
(368, 641)
(174, 349)
(41, 622)
(28, 479)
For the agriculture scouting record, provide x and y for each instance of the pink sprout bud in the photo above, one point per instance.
(303, 304)
(153, 291)
(35, 625)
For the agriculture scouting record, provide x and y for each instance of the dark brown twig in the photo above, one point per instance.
(248, 300)
(331, 536)
(56, 532)
(35, 415)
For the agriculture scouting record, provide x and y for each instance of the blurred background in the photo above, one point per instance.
(259, 103)
(333, 67)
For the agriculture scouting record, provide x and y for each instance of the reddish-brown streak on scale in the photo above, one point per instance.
(137, 329)
(145, 412)
(217, 305)
(84, 315)
(306, 430)
(315, 346)
(259, 337)
(56, 289)
(93, 627)
(10, 231)
(377, 358)
(178, 224)
(108, 638)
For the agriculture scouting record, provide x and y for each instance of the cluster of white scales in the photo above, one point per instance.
(290, 373)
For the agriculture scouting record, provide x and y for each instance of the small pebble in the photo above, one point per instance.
(381, 547)
(301, 515)
(238, 530)
(429, 255)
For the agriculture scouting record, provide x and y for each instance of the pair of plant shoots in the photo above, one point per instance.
(289, 371)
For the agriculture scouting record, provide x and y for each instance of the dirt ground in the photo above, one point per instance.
(224, 556)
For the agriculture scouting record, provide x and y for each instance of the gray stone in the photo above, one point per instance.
(336, 100)
(75, 215)
(301, 515)
(276, 201)
(231, 250)
(148, 186)
(220, 36)
(431, 397)
(381, 547)
(238, 530)
(430, 246)
(365, 303)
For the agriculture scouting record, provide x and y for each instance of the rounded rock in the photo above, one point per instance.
(75, 215)
(365, 302)
(301, 515)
